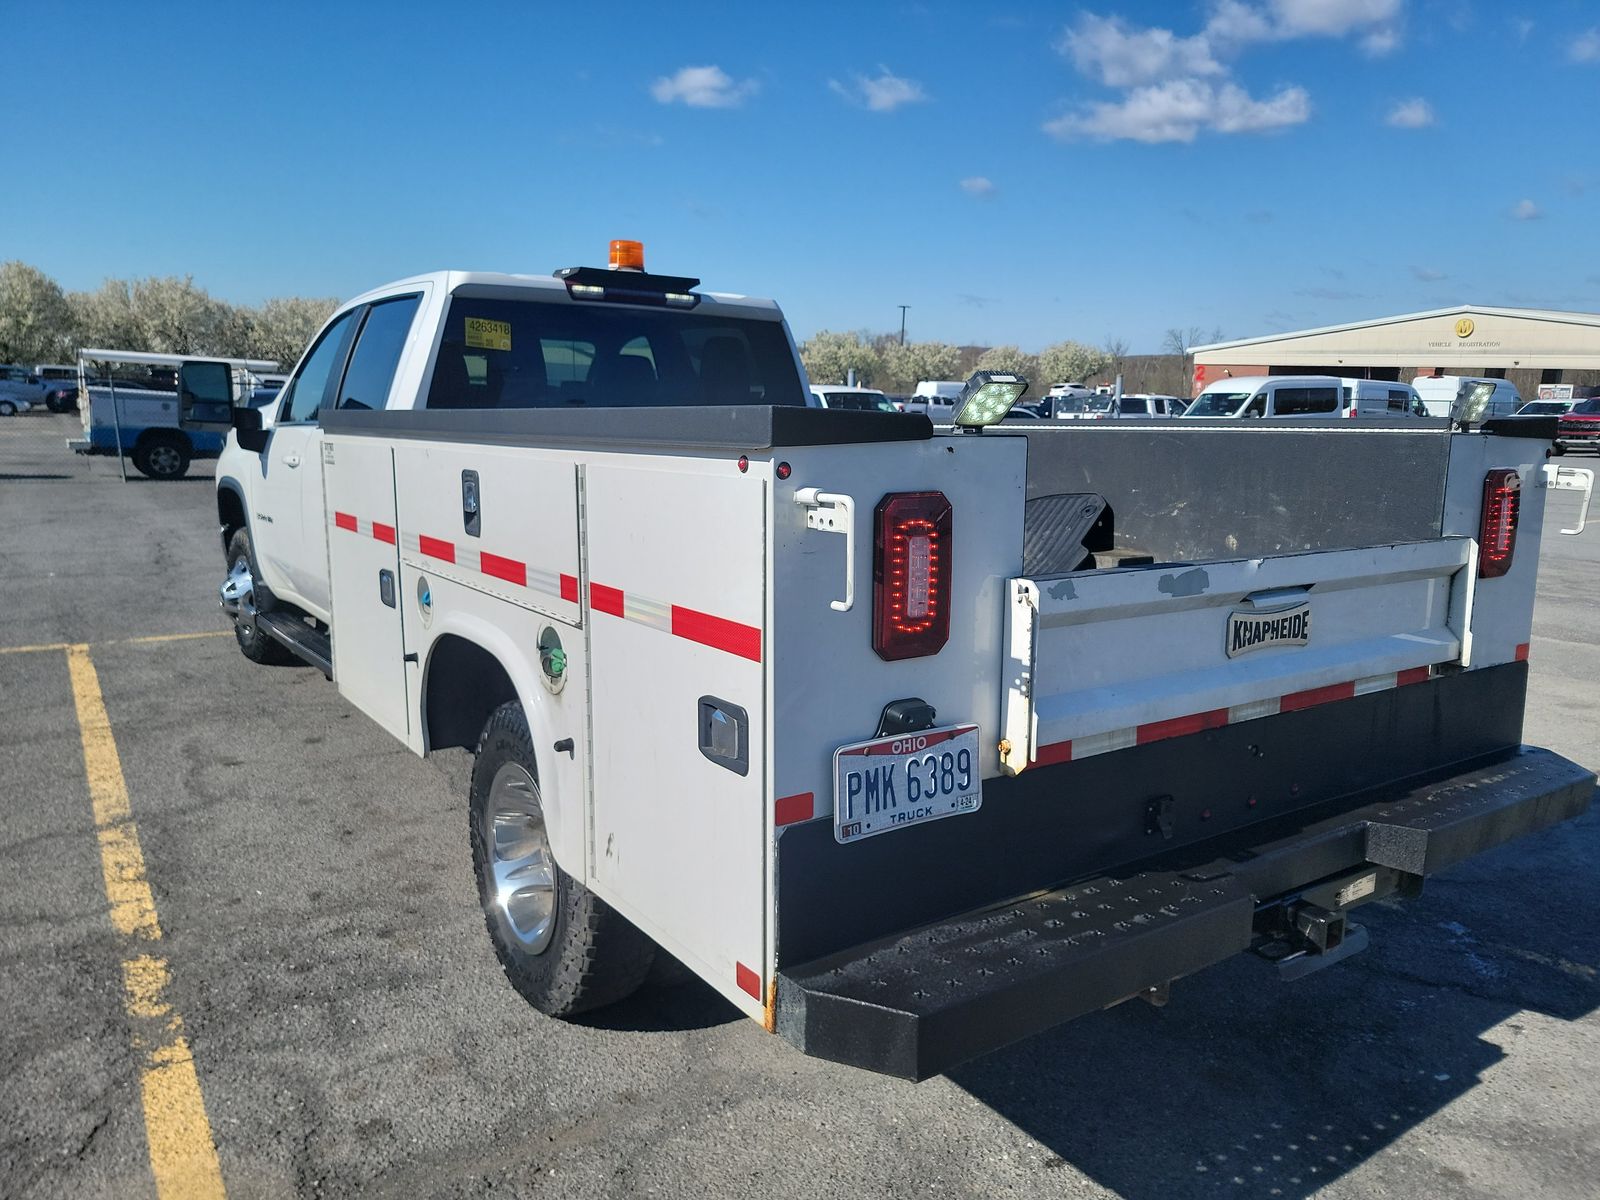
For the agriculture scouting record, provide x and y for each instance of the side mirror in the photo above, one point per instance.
(247, 429)
(205, 396)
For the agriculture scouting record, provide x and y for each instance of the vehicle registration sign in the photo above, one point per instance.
(910, 779)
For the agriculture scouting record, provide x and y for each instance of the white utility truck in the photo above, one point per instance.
(909, 743)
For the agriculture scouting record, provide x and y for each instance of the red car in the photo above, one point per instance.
(1579, 429)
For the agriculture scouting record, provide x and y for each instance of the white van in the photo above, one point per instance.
(1303, 396)
(1441, 393)
(1381, 398)
(1270, 396)
(937, 399)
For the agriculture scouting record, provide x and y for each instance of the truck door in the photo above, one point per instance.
(364, 566)
(293, 556)
(677, 602)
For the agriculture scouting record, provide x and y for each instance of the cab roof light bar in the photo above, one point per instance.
(627, 282)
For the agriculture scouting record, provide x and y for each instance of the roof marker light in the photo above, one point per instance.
(626, 255)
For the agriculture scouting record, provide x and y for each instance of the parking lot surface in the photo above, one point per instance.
(304, 983)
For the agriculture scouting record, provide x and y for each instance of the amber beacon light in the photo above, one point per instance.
(626, 255)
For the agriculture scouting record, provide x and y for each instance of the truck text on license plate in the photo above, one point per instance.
(890, 783)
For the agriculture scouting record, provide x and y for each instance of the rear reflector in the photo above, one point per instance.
(911, 567)
(1497, 535)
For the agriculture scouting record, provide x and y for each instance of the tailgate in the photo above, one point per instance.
(1099, 661)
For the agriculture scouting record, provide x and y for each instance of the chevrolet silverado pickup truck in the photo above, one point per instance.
(910, 743)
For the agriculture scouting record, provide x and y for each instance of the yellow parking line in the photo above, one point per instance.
(150, 639)
(172, 637)
(183, 1153)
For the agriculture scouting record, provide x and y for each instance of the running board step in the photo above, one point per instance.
(916, 1005)
(305, 643)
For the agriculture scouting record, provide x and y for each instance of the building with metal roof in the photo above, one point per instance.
(1530, 346)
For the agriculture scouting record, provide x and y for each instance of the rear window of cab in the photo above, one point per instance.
(500, 353)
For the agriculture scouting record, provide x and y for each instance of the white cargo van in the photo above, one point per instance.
(1441, 393)
(1381, 398)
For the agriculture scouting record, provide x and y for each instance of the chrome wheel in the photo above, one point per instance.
(238, 596)
(524, 897)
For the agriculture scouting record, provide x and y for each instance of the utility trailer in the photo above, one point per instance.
(910, 744)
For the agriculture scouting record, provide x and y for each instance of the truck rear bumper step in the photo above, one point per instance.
(918, 1004)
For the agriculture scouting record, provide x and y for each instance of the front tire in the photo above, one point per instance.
(7, 409)
(162, 455)
(563, 948)
(254, 642)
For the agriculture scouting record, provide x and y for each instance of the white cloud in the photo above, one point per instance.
(1428, 274)
(1525, 210)
(1415, 113)
(1122, 57)
(1234, 22)
(703, 87)
(883, 92)
(978, 186)
(1180, 109)
(1585, 47)
(1175, 87)
(1523, 28)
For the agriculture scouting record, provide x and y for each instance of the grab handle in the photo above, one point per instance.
(834, 513)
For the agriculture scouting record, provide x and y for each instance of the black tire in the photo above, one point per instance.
(162, 454)
(253, 641)
(7, 409)
(594, 956)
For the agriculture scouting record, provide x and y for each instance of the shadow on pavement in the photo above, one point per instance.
(1245, 1086)
(672, 1000)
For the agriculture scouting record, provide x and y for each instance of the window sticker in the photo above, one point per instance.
(488, 335)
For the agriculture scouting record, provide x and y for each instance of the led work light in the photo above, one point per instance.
(988, 397)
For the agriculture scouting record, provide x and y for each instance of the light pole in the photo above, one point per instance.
(902, 308)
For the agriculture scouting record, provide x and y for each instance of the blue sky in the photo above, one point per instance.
(1014, 172)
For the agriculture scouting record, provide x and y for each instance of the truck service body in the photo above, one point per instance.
(909, 744)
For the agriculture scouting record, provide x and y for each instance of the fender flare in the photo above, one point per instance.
(227, 483)
(564, 815)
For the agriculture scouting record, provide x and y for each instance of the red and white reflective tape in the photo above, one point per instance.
(707, 629)
(732, 637)
(465, 558)
(1157, 731)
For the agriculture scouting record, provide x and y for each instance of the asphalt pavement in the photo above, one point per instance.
(325, 970)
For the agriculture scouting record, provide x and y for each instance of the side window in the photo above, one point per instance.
(377, 353)
(1302, 401)
(302, 395)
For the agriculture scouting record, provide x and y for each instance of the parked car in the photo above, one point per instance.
(19, 389)
(1545, 408)
(936, 399)
(851, 399)
(1579, 429)
(1149, 405)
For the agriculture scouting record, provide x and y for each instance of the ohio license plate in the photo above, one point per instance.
(895, 782)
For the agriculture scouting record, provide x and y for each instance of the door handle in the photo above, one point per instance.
(291, 460)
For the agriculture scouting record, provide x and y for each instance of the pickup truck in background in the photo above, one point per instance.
(140, 421)
(909, 743)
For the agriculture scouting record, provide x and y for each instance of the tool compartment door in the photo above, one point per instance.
(364, 580)
(676, 596)
(1100, 661)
